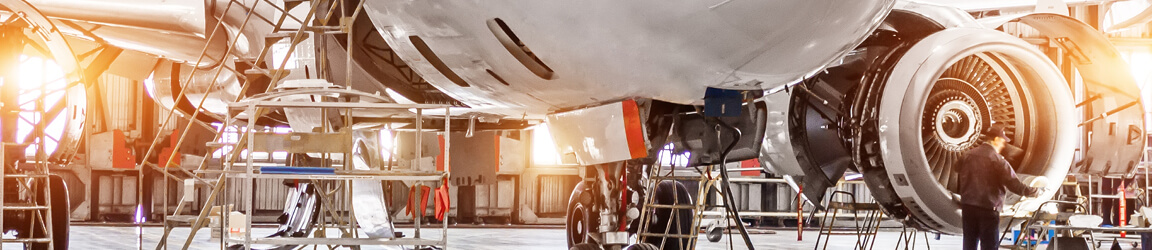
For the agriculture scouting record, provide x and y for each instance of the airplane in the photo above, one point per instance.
(893, 90)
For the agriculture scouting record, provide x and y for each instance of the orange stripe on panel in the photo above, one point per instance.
(440, 164)
(634, 130)
(497, 150)
(750, 163)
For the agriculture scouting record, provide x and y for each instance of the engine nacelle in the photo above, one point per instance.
(904, 107)
(938, 97)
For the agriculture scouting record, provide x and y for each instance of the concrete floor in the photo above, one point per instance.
(501, 238)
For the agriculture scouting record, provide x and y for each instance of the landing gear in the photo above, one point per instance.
(583, 215)
(638, 202)
(581, 220)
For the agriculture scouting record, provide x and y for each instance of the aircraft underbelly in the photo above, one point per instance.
(608, 50)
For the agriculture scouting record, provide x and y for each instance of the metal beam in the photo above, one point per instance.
(103, 60)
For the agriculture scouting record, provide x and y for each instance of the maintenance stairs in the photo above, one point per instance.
(31, 178)
(865, 233)
(711, 177)
(688, 240)
(257, 78)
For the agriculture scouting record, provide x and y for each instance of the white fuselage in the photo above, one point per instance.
(610, 50)
(599, 51)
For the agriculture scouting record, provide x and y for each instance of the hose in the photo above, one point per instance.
(729, 200)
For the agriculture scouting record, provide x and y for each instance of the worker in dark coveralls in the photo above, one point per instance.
(984, 176)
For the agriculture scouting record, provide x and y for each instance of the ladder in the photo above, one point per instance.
(865, 234)
(1038, 216)
(706, 182)
(687, 240)
(909, 240)
(40, 206)
(258, 71)
(32, 179)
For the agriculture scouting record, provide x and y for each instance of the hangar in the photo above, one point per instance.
(383, 124)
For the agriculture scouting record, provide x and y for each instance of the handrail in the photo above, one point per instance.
(296, 38)
(1028, 224)
(314, 91)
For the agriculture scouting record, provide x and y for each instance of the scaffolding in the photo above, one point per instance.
(337, 146)
(323, 18)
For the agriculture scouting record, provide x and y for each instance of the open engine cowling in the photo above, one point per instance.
(907, 103)
(937, 98)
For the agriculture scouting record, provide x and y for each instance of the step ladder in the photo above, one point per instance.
(1032, 223)
(865, 233)
(649, 210)
(31, 178)
(258, 74)
(909, 240)
(710, 178)
(41, 219)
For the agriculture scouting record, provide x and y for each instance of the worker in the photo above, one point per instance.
(984, 176)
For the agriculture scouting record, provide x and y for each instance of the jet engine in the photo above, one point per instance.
(904, 106)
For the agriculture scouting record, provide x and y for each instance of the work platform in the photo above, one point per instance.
(337, 156)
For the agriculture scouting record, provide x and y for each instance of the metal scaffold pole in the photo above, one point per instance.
(334, 191)
(26, 158)
(273, 74)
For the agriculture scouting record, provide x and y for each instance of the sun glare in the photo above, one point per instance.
(385, 144)
(543, 148)
(1140, 65)
(36, 75)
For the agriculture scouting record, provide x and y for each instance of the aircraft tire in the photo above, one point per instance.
(580, 220)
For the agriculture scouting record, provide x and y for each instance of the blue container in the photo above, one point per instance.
(297, 170)
(1016, 237)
